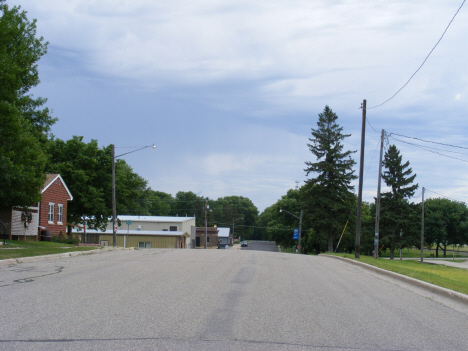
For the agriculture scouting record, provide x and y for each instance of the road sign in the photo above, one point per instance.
(128, 222)
(296, 234)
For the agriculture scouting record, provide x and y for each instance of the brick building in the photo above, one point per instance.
(53, 206)
(48, 215)
(210, 240)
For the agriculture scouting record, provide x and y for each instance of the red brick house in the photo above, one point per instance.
(48, 215)
(53, 207)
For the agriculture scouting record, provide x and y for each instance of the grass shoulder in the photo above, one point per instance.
(17, 249)
(447, 277)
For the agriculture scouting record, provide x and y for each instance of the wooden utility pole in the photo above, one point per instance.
(206, 229)
(422, 227)
(114, 224)
(357, 249)
(377, 201)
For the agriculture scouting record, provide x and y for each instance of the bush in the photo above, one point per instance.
(61, 238)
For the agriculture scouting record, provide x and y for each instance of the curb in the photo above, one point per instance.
(15, 261)
(428, 286)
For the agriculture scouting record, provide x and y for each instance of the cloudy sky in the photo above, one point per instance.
(228, 91)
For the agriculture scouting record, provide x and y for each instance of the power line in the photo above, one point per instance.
(428, 148)
(422, 64)
(429, 141)
(426, 189)
(434, 152)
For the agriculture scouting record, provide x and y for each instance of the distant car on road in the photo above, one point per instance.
(244, 244)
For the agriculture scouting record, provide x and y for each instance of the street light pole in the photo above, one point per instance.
(113, 157)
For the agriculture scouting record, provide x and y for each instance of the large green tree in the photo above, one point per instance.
(86, 169)
(189, 204)
(24, 122)
(328, 197)
(445, 223)
(237, 208)
(398, 217)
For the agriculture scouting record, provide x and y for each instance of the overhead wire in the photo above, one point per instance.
(422, 64)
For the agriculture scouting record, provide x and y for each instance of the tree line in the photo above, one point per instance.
(329, 204)
(28, 151)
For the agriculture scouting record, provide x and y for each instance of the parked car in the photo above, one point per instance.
(244, 243)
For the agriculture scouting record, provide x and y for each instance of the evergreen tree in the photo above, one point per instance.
(398, 222)
(328, 197)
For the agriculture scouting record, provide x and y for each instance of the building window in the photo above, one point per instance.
(173, 228)
(51, 212)
(207, 239)
(144, 245)
(60, 214)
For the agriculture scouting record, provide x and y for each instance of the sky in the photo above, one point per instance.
(228, 91)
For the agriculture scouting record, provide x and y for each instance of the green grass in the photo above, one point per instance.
(448, 277)
(16, 249)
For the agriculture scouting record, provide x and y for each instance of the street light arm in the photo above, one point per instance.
(144, 147)
(281, 210)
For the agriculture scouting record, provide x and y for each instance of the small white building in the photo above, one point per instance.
(224, 237)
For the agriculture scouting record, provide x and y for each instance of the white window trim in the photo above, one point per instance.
(53, 210)
(60, 214)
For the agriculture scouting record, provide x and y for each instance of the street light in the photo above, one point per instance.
(233, 220)
(113, 157)
(300, 224)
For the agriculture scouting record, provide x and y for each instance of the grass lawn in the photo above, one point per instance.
(448, 277)
(16, 249)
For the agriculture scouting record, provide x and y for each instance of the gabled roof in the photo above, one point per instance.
(50, 179)
(224, 232)
(155, 219)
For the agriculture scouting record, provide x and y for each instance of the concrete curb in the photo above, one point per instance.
(15, 261)
(428, 286)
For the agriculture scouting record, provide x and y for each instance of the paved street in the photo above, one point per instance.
(159, 299)
(261, 246)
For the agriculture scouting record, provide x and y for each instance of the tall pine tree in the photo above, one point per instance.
(328, 197)
(397, 214)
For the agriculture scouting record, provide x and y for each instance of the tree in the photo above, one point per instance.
(86, 169)
(24, 123)
(229, 208)
(187, 203)
(157, 203)
(445, 223)
(328, 197)
(397, 214)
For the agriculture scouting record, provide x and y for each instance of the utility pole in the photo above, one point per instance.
(377, 201)
(357, 249)
(300, 225)
(114, 226)
(422, 227)
(206, 229)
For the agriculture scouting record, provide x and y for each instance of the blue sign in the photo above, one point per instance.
(296, 234)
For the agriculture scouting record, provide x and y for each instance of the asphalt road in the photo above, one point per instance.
(218, 300)
(261, 246)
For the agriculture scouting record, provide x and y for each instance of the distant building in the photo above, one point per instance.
(146, 232)
(208, 240)
(224, 237)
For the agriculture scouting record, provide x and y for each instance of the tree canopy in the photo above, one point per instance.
(24, 122)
